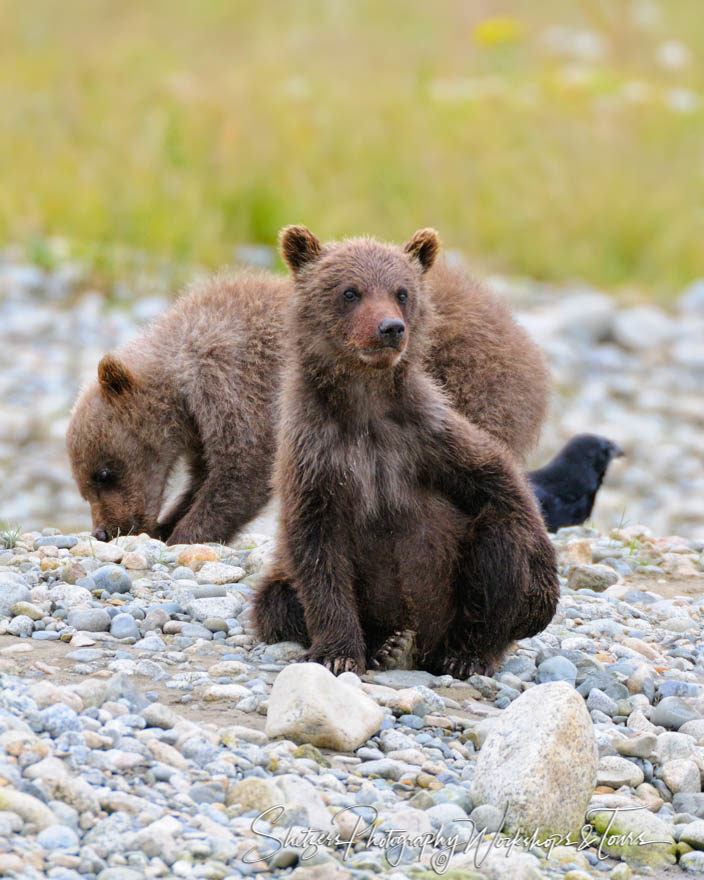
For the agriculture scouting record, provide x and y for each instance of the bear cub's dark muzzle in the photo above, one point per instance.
(391, 331)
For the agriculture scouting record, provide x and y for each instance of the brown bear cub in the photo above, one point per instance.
(200, 385)
(396, 511)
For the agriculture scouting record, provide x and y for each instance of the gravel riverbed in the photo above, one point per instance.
(142, 731)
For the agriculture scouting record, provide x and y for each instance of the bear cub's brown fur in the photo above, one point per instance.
(201, 384)
(396, 511)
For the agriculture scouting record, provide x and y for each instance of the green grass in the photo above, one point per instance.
(9, 535)
(180, 129)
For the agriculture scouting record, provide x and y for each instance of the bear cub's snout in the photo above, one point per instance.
(391, 331)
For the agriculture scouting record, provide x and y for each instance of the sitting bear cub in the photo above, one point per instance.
(396, 511)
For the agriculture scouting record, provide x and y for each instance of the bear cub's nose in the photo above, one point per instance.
(391, 331)
(100, 535)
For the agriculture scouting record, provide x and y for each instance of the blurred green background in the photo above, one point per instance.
(560, 140)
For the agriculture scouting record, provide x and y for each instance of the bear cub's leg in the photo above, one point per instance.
(278, 614)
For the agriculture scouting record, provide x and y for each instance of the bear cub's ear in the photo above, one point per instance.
(424, 246)
(298, 247)
(114, 377)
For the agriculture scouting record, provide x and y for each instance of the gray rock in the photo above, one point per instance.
(58, 837)
(592, 577)
(11, 593)
(442, 814)
(89, 619)
(615, 772)
(599, 701)
(309, 705)
(693, 834)
(693, 863)
(641, 745)
(539, 761)
(385, 768)
(22, 625)
(673, 712)
(406, 678)
(63, 542)
(150, 643)
(124, 626)
(689, 803)
(488, 817)
(195, 631)
(557, 669)
(112, 578)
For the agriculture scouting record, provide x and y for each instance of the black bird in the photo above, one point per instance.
(567, 486)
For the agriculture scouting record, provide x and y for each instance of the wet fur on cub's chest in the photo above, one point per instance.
(404, 533)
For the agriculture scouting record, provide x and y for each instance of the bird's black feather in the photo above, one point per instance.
(567, 486)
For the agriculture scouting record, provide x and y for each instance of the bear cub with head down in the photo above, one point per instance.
(200, 386)
(396, 511)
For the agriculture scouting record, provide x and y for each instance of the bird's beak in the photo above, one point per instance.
(616, 451)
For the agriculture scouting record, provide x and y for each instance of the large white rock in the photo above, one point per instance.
(309, 705)
(539, 761)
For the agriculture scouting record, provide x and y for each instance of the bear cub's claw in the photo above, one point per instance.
(336, 664)
(397, 652)
(462, 667)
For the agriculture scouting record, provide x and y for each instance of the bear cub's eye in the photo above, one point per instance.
(351, 294)
(402, 295)
(103, 477)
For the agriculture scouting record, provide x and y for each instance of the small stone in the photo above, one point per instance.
(672, 713)
(89, 619)
(640, 745)
(98, 550)
(26, 609)
(235, 735)
(10, 594)
(20, 626)
(112, 579)
(488, 817)
(150, 643)
(681, 775)
(384, 768)
(220, 573)
(693, 863)
(225, 692)
(27, 807)
(601, 702)
(58, 837)
(308, 704)
(195, 555)
(253, 793)
(124, 626)
(693, 834)
(615, 772)
(135, 561)
(592, 577)
(557, 669)
(628, 831)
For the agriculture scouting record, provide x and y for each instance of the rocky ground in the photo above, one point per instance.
(633, 373)
(143, 730)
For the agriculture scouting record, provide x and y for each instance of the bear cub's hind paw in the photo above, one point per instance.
(397, 652)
